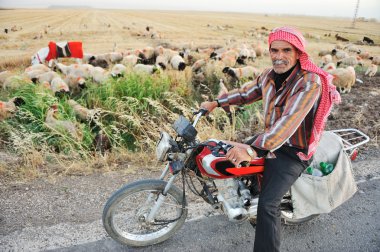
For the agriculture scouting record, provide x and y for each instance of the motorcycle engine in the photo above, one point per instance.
(236, 199)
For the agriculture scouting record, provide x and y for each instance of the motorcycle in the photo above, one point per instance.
(150, 211)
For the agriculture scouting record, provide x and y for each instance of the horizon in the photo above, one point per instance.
(369, 9)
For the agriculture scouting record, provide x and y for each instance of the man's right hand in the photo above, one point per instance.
(209, 106)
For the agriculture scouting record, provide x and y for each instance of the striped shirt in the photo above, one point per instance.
(288, 113)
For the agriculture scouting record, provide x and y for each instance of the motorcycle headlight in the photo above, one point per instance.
(163, 146)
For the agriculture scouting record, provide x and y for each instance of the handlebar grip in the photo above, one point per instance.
(201, 111)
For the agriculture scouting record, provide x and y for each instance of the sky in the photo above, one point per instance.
(329, 8)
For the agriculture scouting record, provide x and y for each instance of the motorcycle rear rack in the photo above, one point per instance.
(352, 138)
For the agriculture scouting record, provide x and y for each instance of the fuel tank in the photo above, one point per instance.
(213, 163)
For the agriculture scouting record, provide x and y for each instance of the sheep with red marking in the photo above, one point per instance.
(343, 78)
(9, 108)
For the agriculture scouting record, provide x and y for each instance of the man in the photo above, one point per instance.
(297, 98)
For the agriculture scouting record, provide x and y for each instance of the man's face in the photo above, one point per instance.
(284, 56)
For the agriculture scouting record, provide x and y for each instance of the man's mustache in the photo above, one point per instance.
(279, 62)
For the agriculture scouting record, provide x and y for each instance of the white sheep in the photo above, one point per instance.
(343, 78)
(149, 69)
(99, 74)
(178, 63)
(198, 65)
(375, 60)
(131, 60)
(75, 83)
(352, 48)
(84, 113)
(118, 70)
(339, 54)
(329, 66)
(40, 67)
(45, 77)
(350, 61)
(326, 59)
(162, 61)
(371, 70)
(243, 72)
(59, 86)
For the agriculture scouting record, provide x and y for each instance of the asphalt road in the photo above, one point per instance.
(354, 226)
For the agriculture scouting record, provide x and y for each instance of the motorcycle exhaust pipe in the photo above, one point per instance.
(234, 214)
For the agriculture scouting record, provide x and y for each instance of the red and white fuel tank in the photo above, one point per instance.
(214, 164)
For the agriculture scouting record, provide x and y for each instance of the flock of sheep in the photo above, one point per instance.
(235, 62)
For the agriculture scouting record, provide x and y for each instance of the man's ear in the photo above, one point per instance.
(298, 54)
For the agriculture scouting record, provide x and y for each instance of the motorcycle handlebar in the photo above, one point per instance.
(199, 113)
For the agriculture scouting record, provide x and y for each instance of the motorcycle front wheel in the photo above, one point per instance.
(124, 215)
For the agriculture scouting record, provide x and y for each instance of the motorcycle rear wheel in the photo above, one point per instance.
(125, 212)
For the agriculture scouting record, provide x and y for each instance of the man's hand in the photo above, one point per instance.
(209, 106)
(238, 153)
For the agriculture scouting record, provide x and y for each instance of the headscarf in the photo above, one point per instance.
(329, 94)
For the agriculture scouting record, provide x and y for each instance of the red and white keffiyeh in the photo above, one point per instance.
(329, 94)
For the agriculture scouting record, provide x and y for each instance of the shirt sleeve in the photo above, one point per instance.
(294, 112)
(248, 93)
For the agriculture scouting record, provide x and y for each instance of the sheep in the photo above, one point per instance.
(371, 70)
(131, 60)
(198, 65)
(45, 77)
(329, 66)
(350, 61)
(96, 62)
(343, 78)
(375, 60)
(118, 70)
(339, 54)
(3, 76)
(177, 63)
(364, 55)
(162, 61)
(112, 57)
(149, 54)
(244, 72)
(53, 123)
(352, 48)
(324, 52)
(40, 67)
(368, 41)
(326, 59)
(150, 69)
(59, 87)
(99, 75)
(16, 81)
(75, 83)
(84, 113)
(9, 108)
(341, 38)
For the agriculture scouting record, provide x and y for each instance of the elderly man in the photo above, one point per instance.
(297, 98)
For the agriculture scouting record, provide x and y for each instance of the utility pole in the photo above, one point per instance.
(356, 14)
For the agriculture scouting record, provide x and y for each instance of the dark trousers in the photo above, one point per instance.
(279, 174)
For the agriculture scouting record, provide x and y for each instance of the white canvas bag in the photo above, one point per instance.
(316, 195)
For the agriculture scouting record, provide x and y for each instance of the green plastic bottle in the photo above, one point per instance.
(314, 171)
(326, 168)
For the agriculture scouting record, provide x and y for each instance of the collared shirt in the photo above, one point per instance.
(288, 113)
